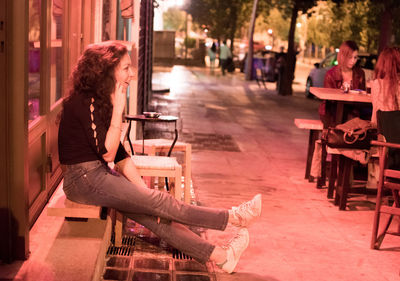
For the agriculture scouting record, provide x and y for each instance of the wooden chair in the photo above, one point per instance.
(157, 166)
(160, 166)
(389, 178)
(154, 147)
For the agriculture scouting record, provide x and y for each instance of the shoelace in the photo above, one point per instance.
(245, 207)
(232, 242)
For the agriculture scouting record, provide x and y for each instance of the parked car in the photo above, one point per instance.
(317, 74)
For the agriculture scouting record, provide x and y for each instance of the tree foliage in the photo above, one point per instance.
(221, 17)
(174, 19)
(290, 10)
(274, 20)
(330, 22)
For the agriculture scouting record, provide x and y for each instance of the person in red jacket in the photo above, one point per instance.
(346, 75)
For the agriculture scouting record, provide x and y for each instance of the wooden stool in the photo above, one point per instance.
(161, 146)
(315, 127)
(160, 166)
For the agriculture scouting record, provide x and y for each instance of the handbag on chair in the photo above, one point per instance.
(355, 133)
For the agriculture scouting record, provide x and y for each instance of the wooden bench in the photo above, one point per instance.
(315, 127)
(60, 206)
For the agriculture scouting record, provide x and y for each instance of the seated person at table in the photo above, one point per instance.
(385, 94)
(89, 137)
(385, 89)
(345, 74)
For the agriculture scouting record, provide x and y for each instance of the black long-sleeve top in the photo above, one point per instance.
(80, 139)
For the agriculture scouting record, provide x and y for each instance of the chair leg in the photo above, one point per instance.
(313, 136)
(396, 203)
(343, 178)
(375, 241)
(322, 180)
(178, 182)
(117, 222)
(188, 173)
(377, 214)
(348, 165)
(378, 239)
(332, 176)
(339, 181)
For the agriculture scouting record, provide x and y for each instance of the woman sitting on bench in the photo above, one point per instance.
(89, 137)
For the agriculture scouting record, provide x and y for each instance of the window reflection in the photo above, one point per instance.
(34, 59)
(56, 50)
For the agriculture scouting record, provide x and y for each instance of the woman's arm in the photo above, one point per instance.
(330, 78)
(114, 131)
(375, 92)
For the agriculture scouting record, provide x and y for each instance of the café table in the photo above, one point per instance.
(143, 119)
(340, 99)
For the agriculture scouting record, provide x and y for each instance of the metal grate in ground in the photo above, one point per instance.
(145, 257)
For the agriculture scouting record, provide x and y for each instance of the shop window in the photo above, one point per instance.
(34, 59)
(56, 53)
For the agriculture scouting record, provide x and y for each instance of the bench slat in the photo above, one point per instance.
(60, 206)
(310, 124)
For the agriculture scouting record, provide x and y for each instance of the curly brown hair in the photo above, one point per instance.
(93, 75)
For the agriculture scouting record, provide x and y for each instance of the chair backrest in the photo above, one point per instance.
(389, 127)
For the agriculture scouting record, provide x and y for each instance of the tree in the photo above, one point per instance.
(174, 19)
(221, 17)
(291, 8)
(249, 69)
(388, 13)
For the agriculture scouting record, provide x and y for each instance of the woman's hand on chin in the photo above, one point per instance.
(118, 98)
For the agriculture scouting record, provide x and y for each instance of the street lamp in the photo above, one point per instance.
(270, 32)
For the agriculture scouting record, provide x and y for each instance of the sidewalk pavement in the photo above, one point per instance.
(245, 142)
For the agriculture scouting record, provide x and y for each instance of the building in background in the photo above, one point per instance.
(40, 41)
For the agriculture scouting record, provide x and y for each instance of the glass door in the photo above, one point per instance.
(46, 80)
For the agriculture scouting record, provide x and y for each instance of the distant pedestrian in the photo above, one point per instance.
(212, 54)
(224, 56)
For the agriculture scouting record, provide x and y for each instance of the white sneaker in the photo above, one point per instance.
(247, 212)
(234, 250)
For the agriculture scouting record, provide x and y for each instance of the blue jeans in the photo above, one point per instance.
(94, 183)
